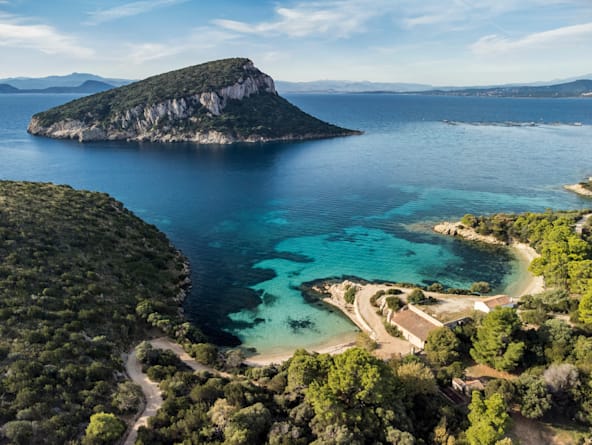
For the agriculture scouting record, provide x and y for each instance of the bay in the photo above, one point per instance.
(258, 220)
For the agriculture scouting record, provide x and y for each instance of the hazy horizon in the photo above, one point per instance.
(120, 78)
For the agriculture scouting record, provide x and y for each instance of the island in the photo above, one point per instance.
(220, 102)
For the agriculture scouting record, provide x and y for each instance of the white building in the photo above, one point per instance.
(488, 304)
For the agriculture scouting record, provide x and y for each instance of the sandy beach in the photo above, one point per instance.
(336, 345)
(364, 315)
(527, 283)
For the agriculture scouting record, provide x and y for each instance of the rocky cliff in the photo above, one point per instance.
(218, 102)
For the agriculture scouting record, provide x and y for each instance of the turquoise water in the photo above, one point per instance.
(256, 221)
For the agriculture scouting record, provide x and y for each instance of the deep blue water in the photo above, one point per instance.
(258, 220)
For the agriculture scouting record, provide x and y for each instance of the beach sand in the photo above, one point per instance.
(363, 314)
(526, 283)
(335, 345)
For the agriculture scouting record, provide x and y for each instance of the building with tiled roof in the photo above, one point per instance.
(488, 304)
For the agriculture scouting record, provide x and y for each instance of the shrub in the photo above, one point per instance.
(204, 353)
(394, 291)
(374, 298)
(104, 428)
(350, 294)
(481, 287)
(364, 341)
(416, 296)
(127, 398)
(435, 287)
(392, 330)
(469, 220)
(394, 303)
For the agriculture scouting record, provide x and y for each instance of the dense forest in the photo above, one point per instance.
(77, 273)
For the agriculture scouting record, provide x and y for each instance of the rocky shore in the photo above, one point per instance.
(459, 230)
(579, 189)
(219, 102)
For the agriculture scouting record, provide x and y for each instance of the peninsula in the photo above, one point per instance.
(220, 102)
(583, 188)
(81, 279)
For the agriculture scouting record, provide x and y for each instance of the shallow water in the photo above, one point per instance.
(256, 221)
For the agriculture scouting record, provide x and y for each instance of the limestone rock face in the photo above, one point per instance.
(197, 116)
(459, 230)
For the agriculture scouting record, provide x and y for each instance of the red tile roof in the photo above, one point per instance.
(413, 323)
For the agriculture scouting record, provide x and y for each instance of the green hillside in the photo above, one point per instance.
(172, 85)
(171, 106)
(76, 267)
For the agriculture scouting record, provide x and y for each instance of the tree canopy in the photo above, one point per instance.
(75, 265)
(496, 342)
(442, 346)
(489, 419)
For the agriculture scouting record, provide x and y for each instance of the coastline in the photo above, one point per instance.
(579, 189)
(332, 346)
(360, 313)
(525, 282)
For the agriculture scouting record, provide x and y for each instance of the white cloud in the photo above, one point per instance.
(14, 33)
(129, 10)
(336, 18)
(467, 13)
(564, 36)
(199, 39)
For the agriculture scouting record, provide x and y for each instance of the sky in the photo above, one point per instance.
(437, 42)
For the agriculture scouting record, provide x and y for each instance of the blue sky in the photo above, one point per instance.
(451, 42)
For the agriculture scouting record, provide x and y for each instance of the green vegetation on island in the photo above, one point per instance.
(78, 274)
(216, 102)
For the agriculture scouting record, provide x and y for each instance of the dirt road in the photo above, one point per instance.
(149, 388)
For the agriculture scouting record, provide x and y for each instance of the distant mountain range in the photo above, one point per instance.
(346, 86)
(87, 87)
(577, 88)
(85, 83)
(572, 87)
(69, 80)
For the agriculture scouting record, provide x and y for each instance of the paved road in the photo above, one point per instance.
(388, 345)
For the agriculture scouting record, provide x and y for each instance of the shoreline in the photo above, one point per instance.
(579, 189)
(527, 283)
(523, 283)
(333, 346)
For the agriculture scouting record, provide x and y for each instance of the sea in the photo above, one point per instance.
(258, 220)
